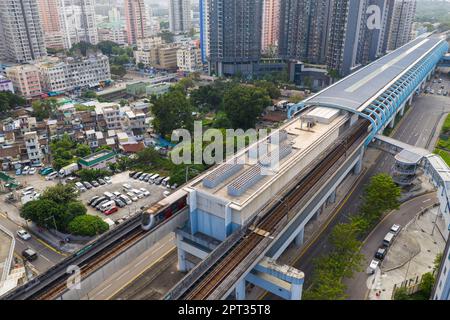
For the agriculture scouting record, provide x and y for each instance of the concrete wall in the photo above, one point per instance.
(101, 275)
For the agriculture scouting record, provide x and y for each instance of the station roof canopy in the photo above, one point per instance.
(354, 91)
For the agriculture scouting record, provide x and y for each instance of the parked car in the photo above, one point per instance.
(51, 176)
(108, 180)
(125, 199)
(95, 183)
(142, 177)
(117, 194)
(32, 171)
(145, 192)
(388, 239)
(95, 203)
(126, 186)
(18, 172)
(132, 173)
(87, 185)
(381, 253)
(120, 203)
(102, 182)
(80, 186)
(166, 193)
(395, 229)
(99, 206)
(147, 178)
(25, 170)
(93, 199)
(174, 186)
(132, 196)
(139, 194)
(110, 211)
(23, 234)
(137, 175)
(373, 266)
(29, 254)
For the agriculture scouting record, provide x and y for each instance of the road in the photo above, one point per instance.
(47, 255)
(357, 286)
(416, 128)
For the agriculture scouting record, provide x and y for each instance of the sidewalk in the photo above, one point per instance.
(411, 255)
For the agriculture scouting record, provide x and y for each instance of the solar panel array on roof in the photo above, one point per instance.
(245, 181)
(221, 174)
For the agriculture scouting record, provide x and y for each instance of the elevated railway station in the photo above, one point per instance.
(233, 233)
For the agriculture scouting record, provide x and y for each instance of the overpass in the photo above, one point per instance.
(238, 236)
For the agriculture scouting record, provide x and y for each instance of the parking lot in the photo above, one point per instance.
(118, 180)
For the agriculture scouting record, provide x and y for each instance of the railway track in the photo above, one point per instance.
(204, 286)
(92, 265)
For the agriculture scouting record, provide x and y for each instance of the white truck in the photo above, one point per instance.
(68, 170)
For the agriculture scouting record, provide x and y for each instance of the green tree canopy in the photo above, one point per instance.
(118, 70)
(60, 194)
(44, 109)
(243, 105)
(9, 100)
(86, 225)
(172, 111)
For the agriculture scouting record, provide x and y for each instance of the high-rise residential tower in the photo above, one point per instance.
(402, 20)
(235, 36)
(204, 29)
(180, 16)
(304, 29)
(51, 24)
(77, 19)
(23, 36)
(348, 20)
(270, 25)
(135, 17)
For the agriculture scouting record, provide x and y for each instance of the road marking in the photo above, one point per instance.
(50, 247)
(45, 258)
(123, 274)
(428, 200)
(140, 262)
(103, 290)
(141, 273)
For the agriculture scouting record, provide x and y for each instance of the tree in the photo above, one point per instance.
(92, 174)
(118, 70)
(296, 98)
(87, 225)
(9, 100)
(43, 212)
(207, 97)
(244, 104)
(82, 150)
(140, 65)
(273, 91)
(334, 74)
(82, 48)
(106, 47)
(89, 94)
(426, 285)
(172, 111)
(381, 195)
(61, 194)
(401, 294)
(44, 109)
(166, 36)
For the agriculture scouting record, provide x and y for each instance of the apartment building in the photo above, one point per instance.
(22, 36)
(135, 19)
(78, 23)
(270, 25)
(180, 16)
(33, 147)
(26, 80)
(70, 73)
(49, 11)
(401, 24)
(189, 59)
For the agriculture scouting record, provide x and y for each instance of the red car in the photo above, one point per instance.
(111, 211)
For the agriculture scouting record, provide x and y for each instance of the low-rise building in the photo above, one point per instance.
(26, 80)
(98, 160)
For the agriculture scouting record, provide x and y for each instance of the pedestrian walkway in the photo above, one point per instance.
(411, 255)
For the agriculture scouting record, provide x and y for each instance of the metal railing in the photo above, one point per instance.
(9, 259)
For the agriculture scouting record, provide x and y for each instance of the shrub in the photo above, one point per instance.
(87, 225)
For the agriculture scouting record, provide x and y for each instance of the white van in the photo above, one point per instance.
(51, 176)
(153, 178)
(165, 182)
(27, 190)
(107, 206)
(388, 239)
(109, 195)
